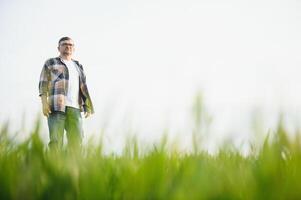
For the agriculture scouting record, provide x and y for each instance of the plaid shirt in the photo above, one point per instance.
(53, 83)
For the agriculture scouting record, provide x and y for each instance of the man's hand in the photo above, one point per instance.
(45, 106)
(46, 109)
(87, 114)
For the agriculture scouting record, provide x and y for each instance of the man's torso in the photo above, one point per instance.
(63, 87)
(73, 84)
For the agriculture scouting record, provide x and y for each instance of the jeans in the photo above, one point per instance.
(71, 121)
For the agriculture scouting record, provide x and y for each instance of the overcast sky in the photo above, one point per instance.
(145, 60)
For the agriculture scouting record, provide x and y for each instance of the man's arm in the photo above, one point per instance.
(43, 89)
(45, 106)
(88, 106)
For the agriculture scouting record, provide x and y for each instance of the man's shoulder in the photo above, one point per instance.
(78, 63)
(52, 61)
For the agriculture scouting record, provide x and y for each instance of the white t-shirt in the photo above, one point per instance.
(73, 84)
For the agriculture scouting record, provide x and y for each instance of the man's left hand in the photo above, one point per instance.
(87, 114)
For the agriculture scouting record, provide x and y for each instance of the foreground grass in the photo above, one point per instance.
(29, 171)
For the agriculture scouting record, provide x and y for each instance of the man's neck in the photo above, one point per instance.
(66, 57)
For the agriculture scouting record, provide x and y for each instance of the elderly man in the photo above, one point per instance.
(64, 94)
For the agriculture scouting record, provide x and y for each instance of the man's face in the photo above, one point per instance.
(66, 47)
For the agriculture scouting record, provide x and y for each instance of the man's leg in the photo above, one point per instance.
(74, 127)
(56, 124)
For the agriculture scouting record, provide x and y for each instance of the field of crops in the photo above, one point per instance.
(28, 170)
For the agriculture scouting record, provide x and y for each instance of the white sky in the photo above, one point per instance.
(145, 60)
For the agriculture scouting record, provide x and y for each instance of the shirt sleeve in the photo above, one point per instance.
(44, 80)
(88, 106)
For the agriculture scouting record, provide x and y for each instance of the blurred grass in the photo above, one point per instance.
(271, 170)
(29, 171)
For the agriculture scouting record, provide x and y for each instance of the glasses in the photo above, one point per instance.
(67, 44)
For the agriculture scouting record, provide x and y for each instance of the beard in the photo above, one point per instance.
(67, 53)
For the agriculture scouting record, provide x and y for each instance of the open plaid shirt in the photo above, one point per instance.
(53, 83)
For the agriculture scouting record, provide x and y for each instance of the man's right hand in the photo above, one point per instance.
(45, 106)
(46, 109)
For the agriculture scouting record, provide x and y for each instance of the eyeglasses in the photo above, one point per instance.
(67, 44)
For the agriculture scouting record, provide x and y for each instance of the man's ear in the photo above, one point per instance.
(58, 48)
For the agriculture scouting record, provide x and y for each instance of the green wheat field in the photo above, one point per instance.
(28, 170)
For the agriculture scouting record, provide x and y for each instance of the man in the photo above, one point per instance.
(64, 94)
